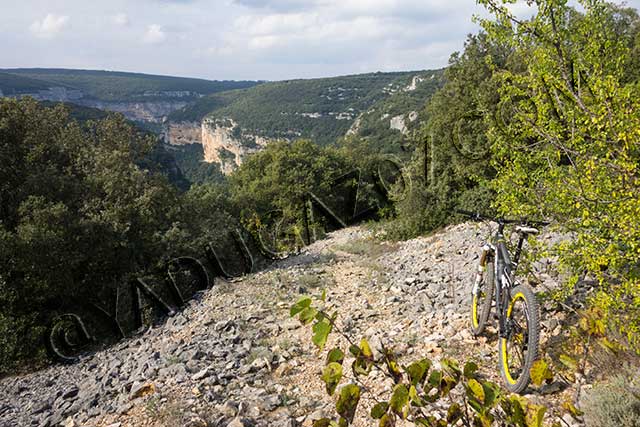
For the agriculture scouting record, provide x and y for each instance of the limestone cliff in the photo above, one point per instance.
(225, 143)
(183, 133)
(153, 111)
(148, 111)
(399, 123)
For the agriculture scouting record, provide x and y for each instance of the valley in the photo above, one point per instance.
(231, 120)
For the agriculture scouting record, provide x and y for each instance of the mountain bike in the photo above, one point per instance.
(517, 309)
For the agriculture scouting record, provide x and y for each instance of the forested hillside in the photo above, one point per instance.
(322, 110)
(383, 108)
(12, 84)
(112, 85)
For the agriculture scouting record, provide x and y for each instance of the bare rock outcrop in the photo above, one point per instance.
(148, 111)
(398, 123)
(224, 142)
(183, 133)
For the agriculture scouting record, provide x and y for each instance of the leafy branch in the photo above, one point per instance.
(419, 389)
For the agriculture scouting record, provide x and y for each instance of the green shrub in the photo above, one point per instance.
(418, 387)
(615, 403)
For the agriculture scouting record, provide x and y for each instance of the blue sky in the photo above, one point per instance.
(235, 39)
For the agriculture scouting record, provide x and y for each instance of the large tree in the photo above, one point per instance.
(77, 215)
(570, 149)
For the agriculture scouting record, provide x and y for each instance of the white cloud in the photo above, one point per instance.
(225, 50)
(154, 34)
(240, 39)
(374, 34)
(48, 27)
(121, 19)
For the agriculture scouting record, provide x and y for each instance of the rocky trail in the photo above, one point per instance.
(234, 358)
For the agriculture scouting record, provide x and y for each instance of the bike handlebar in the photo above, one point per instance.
(476, 216)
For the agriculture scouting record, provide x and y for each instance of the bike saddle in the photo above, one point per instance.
(526, 230)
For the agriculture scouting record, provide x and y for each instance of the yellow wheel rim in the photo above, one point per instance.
(474, 311)
(503, 341)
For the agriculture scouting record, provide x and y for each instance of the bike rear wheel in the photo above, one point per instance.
(519, 349)
(481, 298)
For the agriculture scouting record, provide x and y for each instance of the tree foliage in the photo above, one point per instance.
(78, 214)
(570, 148)
(270, 187)
(451, 161)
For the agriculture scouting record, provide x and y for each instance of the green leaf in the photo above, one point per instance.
(321, 331)
(417, 371)
(571, 408)
(348, 402)
(483, 420)
(392, 365)
(535, 415)
(515, 413)
(307, 315)
(355, 350)
(379, 410)
(451, 367)
(336, 355)
(366, 349)
(454, 414)
(323, 297)
(491, 392)
(387, 420)
(470, 369)
(447, 384)
(569, 362)
(475, 390)
(361, 366)
(331, 376)
(476, 406)
(399, 400)
(435, 378)
(324, 422)
(299, 306)
(540, 372)
(413, 396)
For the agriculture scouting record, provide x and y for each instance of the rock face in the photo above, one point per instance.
(148, 111)
(224, 142)
(414, 83)
(355, 127)
(145, 111)
(183, 133)
(398, 123)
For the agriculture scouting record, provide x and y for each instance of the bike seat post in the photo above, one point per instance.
(516, 257)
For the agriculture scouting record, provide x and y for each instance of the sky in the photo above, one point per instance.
(236, 39)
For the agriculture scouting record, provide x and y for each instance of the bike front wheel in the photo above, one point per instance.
(518, 349)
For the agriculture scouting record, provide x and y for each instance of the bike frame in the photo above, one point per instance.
(504, 272)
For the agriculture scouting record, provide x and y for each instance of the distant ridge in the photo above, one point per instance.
(118, 86)
(102, 73)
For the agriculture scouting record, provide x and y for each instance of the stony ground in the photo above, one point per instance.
(233, 357)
